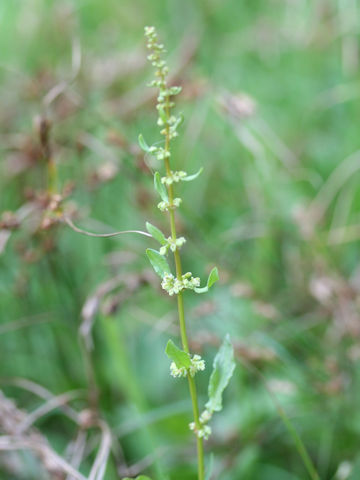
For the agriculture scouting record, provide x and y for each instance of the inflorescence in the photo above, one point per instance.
(174, 177)
(172, 244)
(174, 285)
(197, 364)
(169, 124)
(165, 206)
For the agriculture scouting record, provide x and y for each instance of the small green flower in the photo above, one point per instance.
(205, 417)
(174, 177)
(197, 364)
(173, 245)
(174, 285)
(204, 432)
(177, 372)
(165, 206)
(189, 281)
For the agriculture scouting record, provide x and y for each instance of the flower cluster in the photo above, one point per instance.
(157, 49)
(174, 285)
(174, 177)
(172, 122)
(164, 105)
(205, 417)
(203, 432)
(165, 206)
(159, 153)
(172, 244)
(197, 364)
(168, 124)
(177, 372)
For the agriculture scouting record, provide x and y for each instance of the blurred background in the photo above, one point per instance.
(271, 100)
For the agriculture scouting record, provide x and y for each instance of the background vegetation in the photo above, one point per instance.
(271, 105)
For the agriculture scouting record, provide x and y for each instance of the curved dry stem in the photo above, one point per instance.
(76, 229)
(51, 404)
(9, 442)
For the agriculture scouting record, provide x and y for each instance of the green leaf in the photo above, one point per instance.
(201, 289)
(223, 369)
(181, 358)
(143, 145)
(156, 233)
(162, 113)
(212, 278)
(160, 187)
(180, 120)
(158, 262)
(189, 178)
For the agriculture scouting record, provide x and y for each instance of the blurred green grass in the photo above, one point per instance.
(288, 297)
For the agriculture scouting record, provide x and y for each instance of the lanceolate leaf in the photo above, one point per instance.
(212, 278)
(160, 187)
(156, 233)
(158, 262)
(188, 178)
(223, 369)
(162, 113)
(181, 358)
(201, 289)
(143, 145)
(179, 121)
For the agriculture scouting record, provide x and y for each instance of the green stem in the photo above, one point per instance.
(181, 312)
(199, 441)
(191, 380)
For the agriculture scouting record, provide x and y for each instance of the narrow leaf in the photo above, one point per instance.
(156, 233)
(143, 145)
(188, 178)
(162, 114)
(223, 369)
(180, 120)
(201, 289)
(158, 262)
(213, 277)
(181, 358)
(160, 187)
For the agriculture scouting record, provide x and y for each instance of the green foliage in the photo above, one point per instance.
(189, 178)
(156, 233)
(284, 117)
(143, 145)
(223, 369)
(158, 262)
(212, 278)
(181, 358)
(160, 187)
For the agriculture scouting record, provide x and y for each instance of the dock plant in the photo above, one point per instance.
(184, 364)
